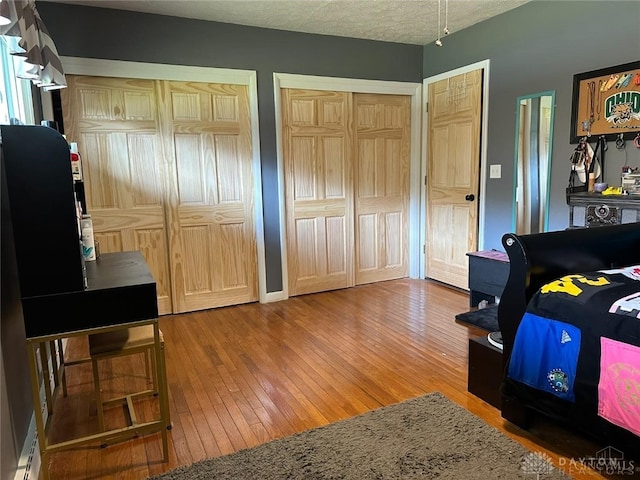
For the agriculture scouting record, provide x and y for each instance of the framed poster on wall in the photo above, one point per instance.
(606, 102)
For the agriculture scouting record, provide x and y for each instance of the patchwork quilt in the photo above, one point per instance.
(579, 341)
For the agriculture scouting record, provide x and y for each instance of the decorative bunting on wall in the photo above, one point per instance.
(42, 65)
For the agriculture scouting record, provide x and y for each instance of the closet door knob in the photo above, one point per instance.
(470, 197)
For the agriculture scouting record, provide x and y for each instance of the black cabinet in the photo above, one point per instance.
(488, 273)
(42, 207)
(485, 370)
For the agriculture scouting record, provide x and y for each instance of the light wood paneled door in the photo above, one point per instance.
(382, 149)
(318, 170)
(168, 171)
(115, 123)
(453, 176)
(206, 135)
(346, 161)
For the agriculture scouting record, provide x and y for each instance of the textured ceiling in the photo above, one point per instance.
(401, 21)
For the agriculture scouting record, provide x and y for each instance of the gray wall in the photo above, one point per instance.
(534, 48)
(118, 35)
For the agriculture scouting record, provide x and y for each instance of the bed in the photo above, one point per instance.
(570, 322)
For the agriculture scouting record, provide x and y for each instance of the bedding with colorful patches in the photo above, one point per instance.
(570, 322)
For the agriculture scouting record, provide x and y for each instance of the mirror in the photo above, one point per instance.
(534, 127)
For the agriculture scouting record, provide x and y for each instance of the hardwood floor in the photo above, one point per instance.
(243, 375)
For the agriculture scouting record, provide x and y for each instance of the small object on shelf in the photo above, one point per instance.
(76, 162)
(631, 183)
(612, 191)
(600, 186)
(88, 242)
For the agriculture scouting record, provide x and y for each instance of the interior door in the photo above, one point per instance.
(317, 133)
(454, 114)
(206, 135)
(382, 156)
(115, 123)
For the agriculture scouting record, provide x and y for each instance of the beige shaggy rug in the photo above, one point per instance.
(425, 437)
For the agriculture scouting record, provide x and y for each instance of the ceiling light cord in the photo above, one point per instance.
(438, 41)
(446, 17)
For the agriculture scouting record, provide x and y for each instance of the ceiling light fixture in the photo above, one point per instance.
(446, 17)
(5, 16)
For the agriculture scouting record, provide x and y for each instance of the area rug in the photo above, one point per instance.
(484, 318)
(425, 437)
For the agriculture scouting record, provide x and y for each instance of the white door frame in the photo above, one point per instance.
(484, 65)
(157, 71)
(311, 82)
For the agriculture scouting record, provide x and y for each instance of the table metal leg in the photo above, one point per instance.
(163, 392)
(37, 406)
(63, 371)
(44, 364)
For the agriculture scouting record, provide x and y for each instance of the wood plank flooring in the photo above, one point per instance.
(243, 375)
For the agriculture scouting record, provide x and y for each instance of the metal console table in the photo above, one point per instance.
(121, 293)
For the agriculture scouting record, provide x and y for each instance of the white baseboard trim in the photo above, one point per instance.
(274, 297)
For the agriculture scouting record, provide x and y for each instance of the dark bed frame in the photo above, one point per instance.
(535, 260)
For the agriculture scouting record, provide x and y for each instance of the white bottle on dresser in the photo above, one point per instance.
(88, 242)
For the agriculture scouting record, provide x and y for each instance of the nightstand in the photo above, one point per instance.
(485, 370)
(488, 273)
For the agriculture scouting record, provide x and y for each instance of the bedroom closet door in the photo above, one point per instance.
(382, 150)
(168, 169)
(206, 135)
(318, 189)
(115, 123)
(346, 163)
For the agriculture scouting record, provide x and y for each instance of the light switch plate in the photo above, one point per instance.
(495, 171)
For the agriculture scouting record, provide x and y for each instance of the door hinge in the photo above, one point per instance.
(425, 179)
(426, 107)
(424, 249)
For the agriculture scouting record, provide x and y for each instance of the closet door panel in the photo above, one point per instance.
(318, 189)
(115, 123)
(382, 133)
(207, 148)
